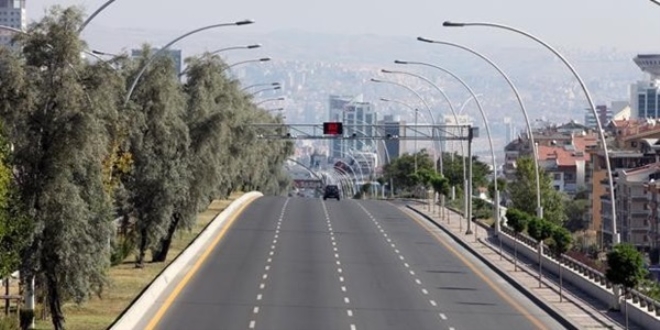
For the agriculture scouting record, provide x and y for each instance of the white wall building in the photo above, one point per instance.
(12, 14)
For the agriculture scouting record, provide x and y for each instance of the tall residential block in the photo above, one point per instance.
(358, 117)
(12, 14)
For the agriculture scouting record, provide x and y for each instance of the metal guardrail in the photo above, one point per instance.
(637, 297)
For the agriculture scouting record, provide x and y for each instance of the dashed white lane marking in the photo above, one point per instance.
(340, 271)
(262, 285)
(425, 292)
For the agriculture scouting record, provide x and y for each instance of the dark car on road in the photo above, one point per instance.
(331, 191)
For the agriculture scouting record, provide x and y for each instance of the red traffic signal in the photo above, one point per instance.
(333, 128)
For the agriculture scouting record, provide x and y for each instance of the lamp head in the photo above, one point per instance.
(385, 100)
(400, 62)
(264, 59)
(253, 46)
(386, 71)
(376, 80)
(452, 24)
(275, 84)
(276, 88)
(422, 39)
(244, 22)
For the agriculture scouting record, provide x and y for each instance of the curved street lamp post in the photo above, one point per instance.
(451, 108)
(539, 207)
(274, 84)
(615, 235)
(490, 141)
(269, 100)
(426, 105)
(168, 45)
(274, 88)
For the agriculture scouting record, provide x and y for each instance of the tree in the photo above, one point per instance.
(453, 170)
(517, 220)
(523, 192)
(159, 141)
(501, 187)
(440, 184)
(625, 268)
(540, 230)
(561, 243)
(402, 170)
(574, 210)
(208, 144)
(55, 119)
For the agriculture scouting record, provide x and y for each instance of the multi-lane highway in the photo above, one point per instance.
(296, 263)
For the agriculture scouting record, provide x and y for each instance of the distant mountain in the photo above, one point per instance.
(311, 66)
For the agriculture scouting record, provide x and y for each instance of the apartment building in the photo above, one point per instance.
(12, 14)
(633, 202)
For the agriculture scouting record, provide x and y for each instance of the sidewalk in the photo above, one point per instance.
(576, 308)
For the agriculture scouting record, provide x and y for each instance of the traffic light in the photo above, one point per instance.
(333, 128)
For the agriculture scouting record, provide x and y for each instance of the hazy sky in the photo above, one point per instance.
(625, 24)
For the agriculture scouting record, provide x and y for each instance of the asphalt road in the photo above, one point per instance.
(297, 263)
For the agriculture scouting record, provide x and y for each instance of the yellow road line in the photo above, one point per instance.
(491, 284)
(170, 299)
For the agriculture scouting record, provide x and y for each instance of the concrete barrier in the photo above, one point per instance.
(167, 278)
(640, 315)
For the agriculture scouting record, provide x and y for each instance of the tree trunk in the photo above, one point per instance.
(139, 263)
(54, 303)
(160, 255)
